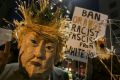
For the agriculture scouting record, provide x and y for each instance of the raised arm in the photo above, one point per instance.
(4, 55)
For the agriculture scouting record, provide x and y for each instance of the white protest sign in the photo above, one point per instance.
(86, 27)
(5, 36)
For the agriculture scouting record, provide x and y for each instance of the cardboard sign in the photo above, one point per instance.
(87, 25)
(5, 35)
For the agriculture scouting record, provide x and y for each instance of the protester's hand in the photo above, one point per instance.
(4, 55)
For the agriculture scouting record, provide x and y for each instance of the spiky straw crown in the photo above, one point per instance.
(41, 13)
(34, 21)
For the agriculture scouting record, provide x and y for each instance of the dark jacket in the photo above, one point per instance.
(12, 72)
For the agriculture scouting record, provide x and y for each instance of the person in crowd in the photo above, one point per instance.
(4, 55)
(40, 48)
(80, 73)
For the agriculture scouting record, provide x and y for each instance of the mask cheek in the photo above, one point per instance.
(25, 58)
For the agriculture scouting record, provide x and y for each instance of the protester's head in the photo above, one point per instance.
(40, 45)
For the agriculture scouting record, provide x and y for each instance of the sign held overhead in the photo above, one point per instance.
(85, 29)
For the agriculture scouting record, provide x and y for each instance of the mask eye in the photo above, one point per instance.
(34, 42)
(50, 47)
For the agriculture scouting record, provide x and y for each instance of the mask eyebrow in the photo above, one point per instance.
(48, 38)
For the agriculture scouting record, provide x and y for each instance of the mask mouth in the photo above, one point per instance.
(36, 63)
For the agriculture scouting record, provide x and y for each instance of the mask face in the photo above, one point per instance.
(37, 54)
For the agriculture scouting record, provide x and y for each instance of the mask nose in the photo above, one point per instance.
(40, 50)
